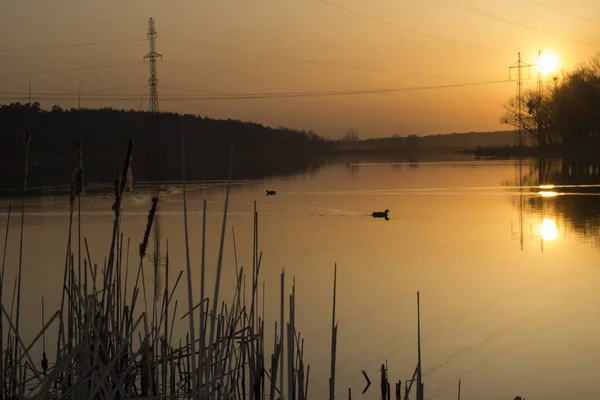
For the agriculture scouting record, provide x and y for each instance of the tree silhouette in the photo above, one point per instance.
(564, 112)
(260, 150)
(537, 114)
(351, 136)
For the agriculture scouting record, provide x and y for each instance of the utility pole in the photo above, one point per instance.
(519, 66)
(151, 57)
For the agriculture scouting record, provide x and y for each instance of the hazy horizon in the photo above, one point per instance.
(301, 46)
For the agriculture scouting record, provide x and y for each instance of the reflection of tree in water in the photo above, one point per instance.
(352, 169)
(577, 187)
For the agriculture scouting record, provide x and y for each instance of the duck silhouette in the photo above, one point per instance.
(381, 214)
(271, 192)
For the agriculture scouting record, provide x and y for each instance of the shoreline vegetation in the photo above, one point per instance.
(261, 152)
(116, 320)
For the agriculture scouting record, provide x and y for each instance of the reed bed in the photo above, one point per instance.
(112, 343)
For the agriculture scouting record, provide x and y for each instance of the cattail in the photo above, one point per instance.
(26, 168)
(151, 214)
(78, 174)
(129, 180)
(77, 178)
(127, 176)
(117, 195)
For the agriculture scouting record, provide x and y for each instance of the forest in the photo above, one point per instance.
(259, 152)
(104, 133)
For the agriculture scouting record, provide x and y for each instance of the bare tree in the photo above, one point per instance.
(536, 117)
(351, 136)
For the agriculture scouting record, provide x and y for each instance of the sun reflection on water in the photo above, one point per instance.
(548, 229)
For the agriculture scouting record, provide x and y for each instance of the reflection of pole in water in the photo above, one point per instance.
(521, 202)
(157, 257)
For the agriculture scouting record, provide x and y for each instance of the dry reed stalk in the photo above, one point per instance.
(23, 200)
(281, 336)
(164, 348)
(219, 267)
(189, 273)
(78, 192)
(202, 363)
(333, 339)
(20, 345)
(2, 275)
(120, 185)
(96, 357)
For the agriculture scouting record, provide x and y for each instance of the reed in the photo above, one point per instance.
(109, 347)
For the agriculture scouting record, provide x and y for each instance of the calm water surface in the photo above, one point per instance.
(508, 276)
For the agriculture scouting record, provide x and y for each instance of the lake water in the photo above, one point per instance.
(507, 272)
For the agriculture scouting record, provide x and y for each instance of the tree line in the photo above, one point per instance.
(104, 133)
(563, 113)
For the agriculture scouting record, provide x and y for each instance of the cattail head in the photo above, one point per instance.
(26, 166)
(77, 177)
(117, 194)
(78, 180)
(79, 171)
(151, 214)
(129, 180)
(27, 139)
(126, 173)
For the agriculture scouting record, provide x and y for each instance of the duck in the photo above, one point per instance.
(381, 214)
(271, 192)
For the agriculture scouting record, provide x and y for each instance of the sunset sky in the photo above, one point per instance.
(213, 48)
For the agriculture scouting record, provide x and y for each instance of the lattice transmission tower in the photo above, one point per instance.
(152, 56)
(519, 66)
(155, 169)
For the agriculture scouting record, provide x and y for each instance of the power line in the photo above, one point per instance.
(415, 31)
(61, 46)
(329, 65)
(269, 95)
(89, 94)
(99, 91)
(486, 14)
(52, 71)
(564, 12)
(477, 11)
(345, 64)
(286, 58)
(333, 64)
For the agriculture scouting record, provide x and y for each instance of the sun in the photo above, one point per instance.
(548, 63)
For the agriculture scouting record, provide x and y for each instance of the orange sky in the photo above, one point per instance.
(265, 46)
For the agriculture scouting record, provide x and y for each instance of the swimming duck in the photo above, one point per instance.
(271, 192)
(381, 214)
